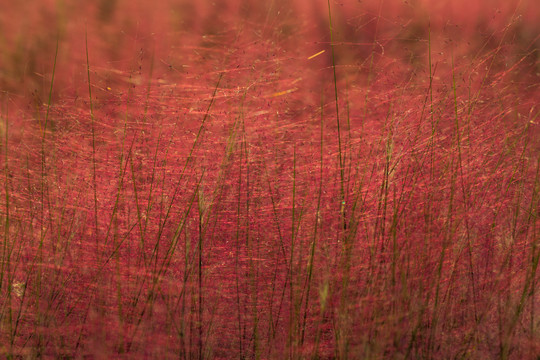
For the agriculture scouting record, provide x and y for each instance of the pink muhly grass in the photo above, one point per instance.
(295, 180)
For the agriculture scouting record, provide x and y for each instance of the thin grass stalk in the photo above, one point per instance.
(6, 252)
(43, 230)
(113, 222)
(292, 317)
(431, 144)
(346, 318)
(428, 216)
(465, 192)
(142, 229)
(92, 118)
(535, 254)
(449, 235)
(240, 323)
(370, 69)
(317, 220)
(348, 158)
(237, 264)
(253, 269)
(340, 154)
(180, 328)
(273, 324)
(124, 161)
(201, 209)
(138, 209)
(428, 200)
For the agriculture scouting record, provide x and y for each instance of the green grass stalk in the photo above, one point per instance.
(317, 221)
(336, 96)
(92, 118)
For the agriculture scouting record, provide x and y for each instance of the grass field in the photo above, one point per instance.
(270, 180)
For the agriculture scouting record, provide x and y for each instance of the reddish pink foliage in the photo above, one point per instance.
(176, 213)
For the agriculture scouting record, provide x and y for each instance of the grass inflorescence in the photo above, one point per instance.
(305, 179)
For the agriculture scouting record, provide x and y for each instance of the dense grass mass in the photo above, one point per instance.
(270, 180)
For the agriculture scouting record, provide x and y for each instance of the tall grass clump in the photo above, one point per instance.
(305, 179)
